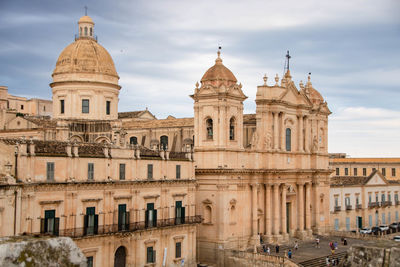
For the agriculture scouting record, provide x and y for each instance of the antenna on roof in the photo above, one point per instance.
(85, 10)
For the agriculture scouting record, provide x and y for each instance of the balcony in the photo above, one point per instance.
(337, 208)
(373, 204)
(131, 227)
(386, 203)
(358, 206)
(349, 207)
(397, 202)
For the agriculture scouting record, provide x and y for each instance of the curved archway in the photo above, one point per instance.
(232, 123)
(76, 138)
(209, 128)
(133, 140)
(164, 142)
(103, 140)
(120, 257)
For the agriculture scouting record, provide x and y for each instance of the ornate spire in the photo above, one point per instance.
(265, 78)
(276, 80)
(219, 60)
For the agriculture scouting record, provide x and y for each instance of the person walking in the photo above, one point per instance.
(345, 242)
(289, 254)
(327, 261)
(296, 245)
(277, 248)
(268, 251)
(317, 242)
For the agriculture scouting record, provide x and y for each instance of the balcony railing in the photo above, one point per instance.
(358, 206)
(386, 203)
(337, 208)
(373, 204)
(131, 227)
(349, 207)
(397, 202)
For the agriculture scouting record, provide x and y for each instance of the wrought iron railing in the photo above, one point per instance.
(358, 206)
(338, 208)
(373, 204)
(349, 207)
(123, 228)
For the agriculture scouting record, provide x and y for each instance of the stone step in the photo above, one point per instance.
(321, 261)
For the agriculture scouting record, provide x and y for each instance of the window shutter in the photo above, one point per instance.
(183, 214)
(155, 218)
(42, 226)
(85, 223)
(56, 226)
(146, 219)
(96, 224)
(154, 256)
(127, 220)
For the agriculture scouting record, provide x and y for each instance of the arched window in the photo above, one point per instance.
(91, 31)
(232, 214)
(288, 139)
(209, 126)
(207, 214)
(133, 140)
(120, 257)
(164, 142)
(85, 31)
(232, 129)
(80, 33)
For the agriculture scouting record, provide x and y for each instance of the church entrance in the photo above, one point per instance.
(120, 257)
(288, 206)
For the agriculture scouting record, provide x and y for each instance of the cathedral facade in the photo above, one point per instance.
(182, 187)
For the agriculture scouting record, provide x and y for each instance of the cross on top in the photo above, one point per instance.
(288, 58)
(85, 10)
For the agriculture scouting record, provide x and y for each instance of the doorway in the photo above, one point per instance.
(288, 206)
(120, 257)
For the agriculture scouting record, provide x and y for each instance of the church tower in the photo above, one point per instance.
(218, 119)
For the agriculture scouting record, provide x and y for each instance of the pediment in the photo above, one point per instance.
(20, 123)
(376, 178)
(291, 95)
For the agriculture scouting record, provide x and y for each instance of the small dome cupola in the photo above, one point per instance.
(86, 27)
(218, 74)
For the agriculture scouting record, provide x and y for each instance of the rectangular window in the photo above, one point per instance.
(347, 201)
(397, 216)
(149, 171)
(178, 249)
(357, 200)
(384, 171)
(90, 171)
(22, 106)
(178, 171)
(179, 213)
(336, 224)
(376, 198)
(50, 171)
(369, 198)
(50, 224)
(373, 169)
(383, 197)
(123, 218)
(85, 105)
(396, 197)
(346, 171)
(364, 171)
(370, 220)
(355, 171)
(62, 108)
(89, 261)
(336, 202)
(151, 216)
(151, 255)
(122, 171)
(376, 219)
(347, 223)
(383, 218)
(389, 197)
(108, 107)
(393, 172)
(91, 221)
(337, 172)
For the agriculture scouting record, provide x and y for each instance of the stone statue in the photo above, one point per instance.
(254, 139)
(314, 144)
(268, 141)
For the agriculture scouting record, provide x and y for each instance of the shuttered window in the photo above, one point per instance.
(50, 171)
(90, 171)
(149, 171)
(178, 171)
(122, 171)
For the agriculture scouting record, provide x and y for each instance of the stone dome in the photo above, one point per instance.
(85, 55)
(218, 72)
(85, 19)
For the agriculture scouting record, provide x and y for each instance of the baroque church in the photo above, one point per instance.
(134, 190)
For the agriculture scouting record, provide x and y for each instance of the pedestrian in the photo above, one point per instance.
(327, 261)
(277, 248)
(264, 248)
(268, 251)
(345, 242)
(333, 262)
(296, 245)
(317, 242)
(335, 245)
(261, 240)
(337, 261)
(289, 254)
(342, 239)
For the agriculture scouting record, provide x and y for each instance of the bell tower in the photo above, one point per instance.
(218, 112)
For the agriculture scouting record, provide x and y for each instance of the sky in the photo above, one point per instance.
(162, 48)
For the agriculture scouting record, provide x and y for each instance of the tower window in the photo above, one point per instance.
(288, 139)
(232, 129)
(91, 31)
(62, 106)
(80, 30)
(85, 105)
(133, 140)
(164, 142)
(85, 31)
(22, 106)
(108, 107)
(209, 127)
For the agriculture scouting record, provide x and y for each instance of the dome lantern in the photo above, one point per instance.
(86, 28)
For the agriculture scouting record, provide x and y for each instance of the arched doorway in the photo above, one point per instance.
(120, 257)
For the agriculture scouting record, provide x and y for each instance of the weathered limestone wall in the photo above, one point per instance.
(31, 251)
(358, 256)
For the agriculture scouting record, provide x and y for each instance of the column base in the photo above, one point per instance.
(304, 234)
(255, 240)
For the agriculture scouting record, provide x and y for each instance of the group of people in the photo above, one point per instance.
(332, 261)
(289, 254)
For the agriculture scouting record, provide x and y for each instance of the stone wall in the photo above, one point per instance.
(358, 256)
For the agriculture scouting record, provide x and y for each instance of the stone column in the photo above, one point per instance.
(254, 209)
(300, 205)
(283, 210)
(301, 138)
(276, 209)
(283, 132)
(307, 135)
(268, 209)
(308, 204)
(276, 127)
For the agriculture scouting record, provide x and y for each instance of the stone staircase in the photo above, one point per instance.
(321, 261)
